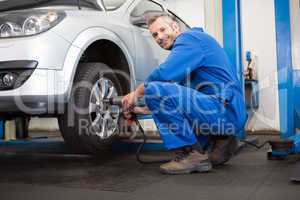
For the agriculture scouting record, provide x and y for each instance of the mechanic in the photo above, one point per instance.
(195, 90)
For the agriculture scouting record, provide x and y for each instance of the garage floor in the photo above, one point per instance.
(47, 171)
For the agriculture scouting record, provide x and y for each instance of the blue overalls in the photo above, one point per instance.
(194, 91)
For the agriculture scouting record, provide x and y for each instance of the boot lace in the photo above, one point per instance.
(181, 155)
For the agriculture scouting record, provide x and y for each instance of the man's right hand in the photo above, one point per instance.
(136, 111)
(141, 110)
(129, 101)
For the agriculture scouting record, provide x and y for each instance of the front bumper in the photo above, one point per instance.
(48, 86)
(43, 93)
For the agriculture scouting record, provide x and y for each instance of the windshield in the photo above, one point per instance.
(6, 5)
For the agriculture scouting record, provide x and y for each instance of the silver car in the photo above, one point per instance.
(60, 58)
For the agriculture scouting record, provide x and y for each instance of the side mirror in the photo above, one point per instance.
(139, 21)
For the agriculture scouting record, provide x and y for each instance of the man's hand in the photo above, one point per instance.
(129, 101)
(141, 110)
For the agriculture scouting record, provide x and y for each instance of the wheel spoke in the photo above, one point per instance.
(96, 123)
(92, 107)
(111, 91)
(104, 88)
(103, 132)
(97, 93)
(107, 125)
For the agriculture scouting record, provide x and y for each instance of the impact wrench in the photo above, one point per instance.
(117, 101)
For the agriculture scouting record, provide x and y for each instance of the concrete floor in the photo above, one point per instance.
(49, 172)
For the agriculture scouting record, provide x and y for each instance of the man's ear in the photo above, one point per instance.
(175, 27)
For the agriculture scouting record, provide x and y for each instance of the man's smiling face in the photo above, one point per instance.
(164, 32)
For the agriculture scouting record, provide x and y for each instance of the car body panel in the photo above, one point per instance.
(48, 55)
(58, 52)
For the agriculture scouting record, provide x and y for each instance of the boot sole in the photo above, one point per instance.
(201, 168)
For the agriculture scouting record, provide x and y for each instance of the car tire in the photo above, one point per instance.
(85, 107)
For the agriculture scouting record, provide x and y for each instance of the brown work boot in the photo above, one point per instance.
(223, 149)
(187, 162)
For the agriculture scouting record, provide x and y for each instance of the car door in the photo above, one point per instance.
(148, 54)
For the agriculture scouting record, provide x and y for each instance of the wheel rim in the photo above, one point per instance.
(104, 117)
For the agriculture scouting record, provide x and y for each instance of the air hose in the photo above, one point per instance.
(142, 145)
(118, 101)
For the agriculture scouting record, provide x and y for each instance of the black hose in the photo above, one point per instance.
(118, 101)
(141, 148)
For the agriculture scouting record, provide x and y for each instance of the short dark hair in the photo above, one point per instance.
(152, 16)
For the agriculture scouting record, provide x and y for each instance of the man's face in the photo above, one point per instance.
(164, 33)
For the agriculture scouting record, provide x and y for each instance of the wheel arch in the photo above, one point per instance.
(88, 44)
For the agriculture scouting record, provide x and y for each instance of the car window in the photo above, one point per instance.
(113, 4)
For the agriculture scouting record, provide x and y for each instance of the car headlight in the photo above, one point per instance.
(26, 23)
